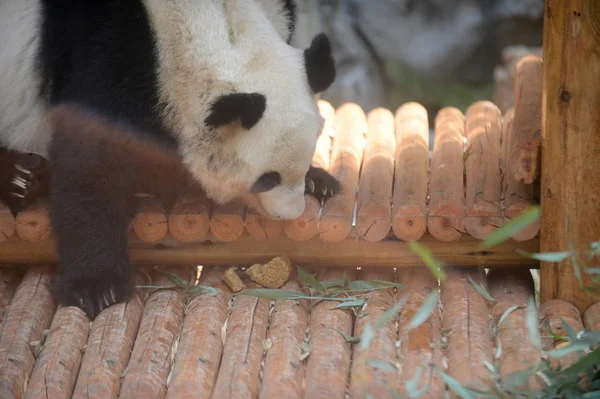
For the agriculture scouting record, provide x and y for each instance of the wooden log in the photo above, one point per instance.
(571, 144)
(522, 163)
(513, 287)
(469, 344)
(409, 221)
(350, 252)
(322, 155)
(591, 317)
(483, 182)
(33, 224)
(10, 278)
(373, 211)
(283, 375)
(328, 364)
(189, 220)
(200, 346)
(240, 365)
(552, 315)
(150, 223)
(421, 348)
(446, 215)
(227, 221)
(28, 315)
(57, 366)
(338, 212)
(518, 196)
(154, 348)
(108, 350)
(7, 223)
(306, 226)
(365, 379)
(262, 228)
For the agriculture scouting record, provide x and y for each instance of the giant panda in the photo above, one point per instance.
(121, 94)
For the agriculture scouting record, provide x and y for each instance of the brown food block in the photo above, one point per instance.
(155, 344)
(306, 226)
(482, 164)
(551, 316)
(10, 278)
(328, 364)
(518, 196)
(446, 215)
(200, 344)
(374, 213)
(283, 375)
(366, 379)
(233, 281)
(189, 219)
(420, 348)
(27, 316)
(108, 350)
(150, 223)
(466, 318)
(591, 317)
(57, 366)
(262, 228)
(227, 221)
(33, 223)
(272, 274)
(522, 162)
(7, 223)
(409, 221)
(238, 375)
(346, 158)
(513, 287)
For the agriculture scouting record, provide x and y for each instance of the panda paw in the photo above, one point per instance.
(320, 184)
(95, 291)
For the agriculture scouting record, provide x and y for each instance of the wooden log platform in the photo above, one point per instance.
(394, 190)
(170, 343)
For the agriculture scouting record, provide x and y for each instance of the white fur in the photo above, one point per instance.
(23, 122)
(208, 48)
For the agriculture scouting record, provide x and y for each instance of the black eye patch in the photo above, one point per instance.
(266, 182)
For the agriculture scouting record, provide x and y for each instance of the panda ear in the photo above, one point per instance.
(248, 108)
(319, 64)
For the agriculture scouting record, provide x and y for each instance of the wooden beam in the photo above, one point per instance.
(315, 252)
(570, 187)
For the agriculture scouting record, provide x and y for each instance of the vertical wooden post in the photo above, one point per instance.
(570, 191)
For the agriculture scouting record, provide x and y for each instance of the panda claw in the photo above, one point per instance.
(22, 169)
(324, 191)
(17, 195)
(112, 295)
(311, 186)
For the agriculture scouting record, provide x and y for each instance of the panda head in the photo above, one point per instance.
(241, 100)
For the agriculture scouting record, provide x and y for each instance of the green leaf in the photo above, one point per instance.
(366, 337)
(411, 385)
(350, 304)
(424, 311)
(389, 314)
(565, 350)
(511, 228)
(380, 364)
(348, 338)
(272, 293)
(362, 285)
(546, 256)
(481, 290)
(205, 290)
(332, 283)
(175, 279)
(532, 323)
(434, 265)
(584, 363)
(507, 312)
(388, 283)
(310, 280)
(346, 281)
(456, 386)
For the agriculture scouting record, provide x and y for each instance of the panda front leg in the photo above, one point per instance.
(89, 195)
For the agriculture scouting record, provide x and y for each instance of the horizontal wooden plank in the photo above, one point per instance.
(315, 252)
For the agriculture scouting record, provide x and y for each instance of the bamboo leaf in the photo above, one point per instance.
(481, 290)
(546, 256)
(511, 228)
(532, 323)
(380, 364)
(424, 311)
(456, 386)
(350, 304)
(310, 280)
(434, 265)
(389, 314)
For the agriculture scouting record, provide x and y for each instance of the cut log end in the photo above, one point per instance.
(446, 221)
(409, 223)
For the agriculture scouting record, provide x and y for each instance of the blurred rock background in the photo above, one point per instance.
(436, 52)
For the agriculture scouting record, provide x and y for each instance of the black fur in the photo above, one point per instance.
(289, 8)
(266, 182)
(248, 108)
(323, 185)
(319, 63)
